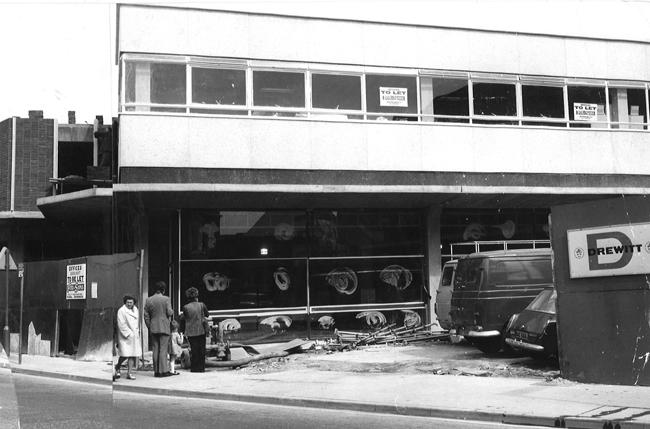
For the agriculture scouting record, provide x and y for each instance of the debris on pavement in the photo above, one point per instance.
(388, 335)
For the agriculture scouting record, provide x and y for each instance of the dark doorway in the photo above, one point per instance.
(69, 330)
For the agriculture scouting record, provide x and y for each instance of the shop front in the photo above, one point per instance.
(288, 273)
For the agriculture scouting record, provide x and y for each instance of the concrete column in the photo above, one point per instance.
(141, 243)
(433, 254)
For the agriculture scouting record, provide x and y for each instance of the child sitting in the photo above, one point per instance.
(175, 343)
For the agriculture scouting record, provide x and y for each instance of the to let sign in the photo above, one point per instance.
(616, 250)
(75, 284)
(585, 111)
(393, 97)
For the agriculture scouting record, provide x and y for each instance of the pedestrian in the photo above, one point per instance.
(128, 337)
(176, 342)
(195, 315)
(157, 316)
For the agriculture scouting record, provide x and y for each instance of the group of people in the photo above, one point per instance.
(165, 332)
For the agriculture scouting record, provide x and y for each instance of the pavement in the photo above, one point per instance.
(514, 400)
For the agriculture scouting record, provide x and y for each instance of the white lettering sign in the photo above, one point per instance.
(585, 111)
(609, 251)
(75, 282)
(393, 97)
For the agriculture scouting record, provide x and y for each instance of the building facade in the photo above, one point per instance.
(308, 173)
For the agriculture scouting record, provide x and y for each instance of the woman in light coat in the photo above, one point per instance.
(128, 336)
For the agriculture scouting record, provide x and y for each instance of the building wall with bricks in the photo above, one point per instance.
(5, 164)
(34, 158)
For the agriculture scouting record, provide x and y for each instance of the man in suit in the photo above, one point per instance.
(157, 316)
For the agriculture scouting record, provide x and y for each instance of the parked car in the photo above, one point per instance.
(534, 330)
(490, 287)
(443, 297)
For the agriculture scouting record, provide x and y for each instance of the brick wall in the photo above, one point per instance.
(5, 164)
(34, 146)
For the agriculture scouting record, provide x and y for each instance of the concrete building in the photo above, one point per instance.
(303, 172)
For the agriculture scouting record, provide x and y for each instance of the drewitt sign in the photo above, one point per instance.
(609, 251)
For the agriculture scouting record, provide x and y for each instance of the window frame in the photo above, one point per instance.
(308, 111)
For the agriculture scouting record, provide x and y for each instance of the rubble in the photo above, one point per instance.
(386, 335)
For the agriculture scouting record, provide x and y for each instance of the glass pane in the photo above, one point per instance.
(544, 302)
(450, 97)
(627, 105)
(129, 82)
(331, 91)
(365, 281)
(520, 272)
(247, 284)
(280, 89)
(213, 86)
(543, 101)
(391, 94)
(323, 325)
(468, 274)
(278, 328)
(589, 104)
(168, 83)
(447, 274)
(243, 234)
(365, 233)
(494, 99)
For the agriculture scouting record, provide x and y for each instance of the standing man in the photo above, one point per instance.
(157, 316)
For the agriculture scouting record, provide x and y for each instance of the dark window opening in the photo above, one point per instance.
(542, 101)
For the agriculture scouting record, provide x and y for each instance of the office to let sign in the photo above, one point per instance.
(75, 283)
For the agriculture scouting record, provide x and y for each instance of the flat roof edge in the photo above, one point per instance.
(78, 195)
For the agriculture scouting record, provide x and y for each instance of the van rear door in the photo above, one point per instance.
(467, 282)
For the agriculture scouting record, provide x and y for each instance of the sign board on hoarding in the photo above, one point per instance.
(75, 283)
(616, 250)
(393, 97)
(585, 111)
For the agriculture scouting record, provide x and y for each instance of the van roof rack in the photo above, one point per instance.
(465, 248)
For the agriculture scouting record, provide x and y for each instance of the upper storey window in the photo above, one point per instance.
(445, 99)
(543, 102)
(391, 97)
(282, 91)
(587, 106)
(154, 86)
(218, 90)
(226, 86)
(628, 107)
(494, 101)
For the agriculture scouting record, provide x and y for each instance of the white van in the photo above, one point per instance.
(443, 296)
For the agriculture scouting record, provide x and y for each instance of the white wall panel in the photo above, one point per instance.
(443, 49)
(394, 145)
(228, 34)
(447, 148)
(548, 150)
(586, 58)
(541, 56)
(226, 37)
(385, 44)
(493, 52)
(337, 146)
(277, 145)
(626, 61)
(211, 145)
(497, 149)
(591, 155)
(157, 141)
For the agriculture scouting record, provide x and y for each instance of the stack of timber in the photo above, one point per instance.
(389, 335)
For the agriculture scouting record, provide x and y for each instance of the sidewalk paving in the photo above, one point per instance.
(556, 403)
